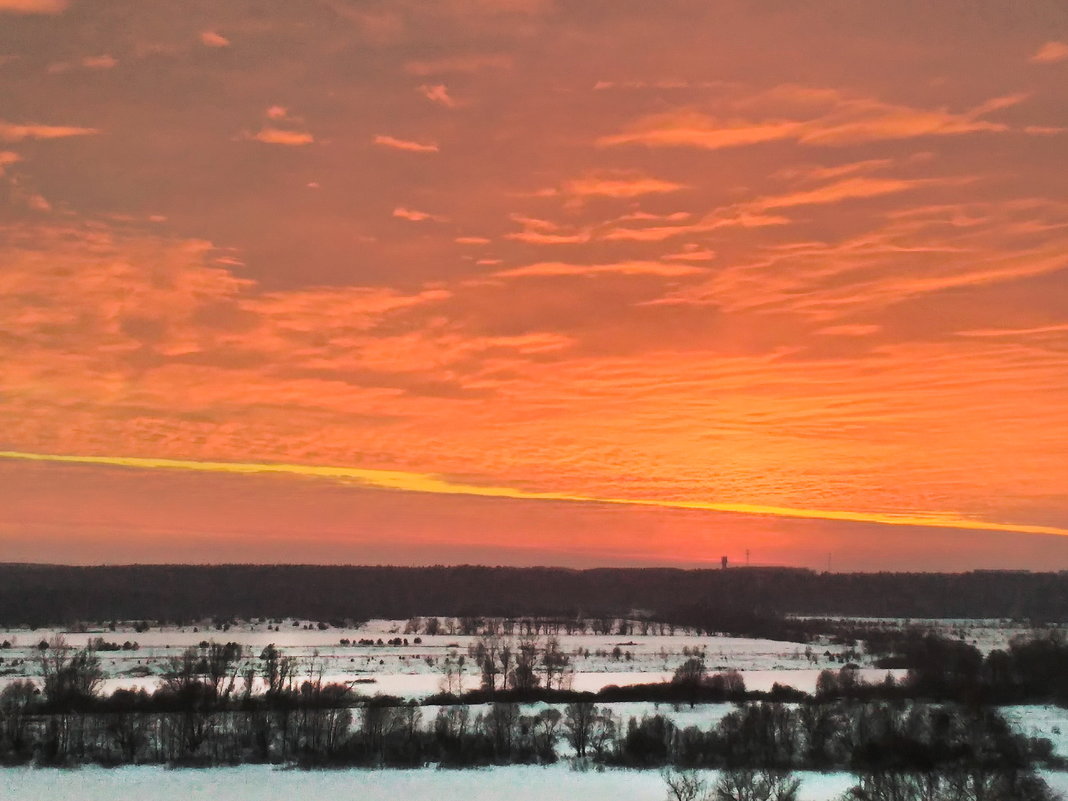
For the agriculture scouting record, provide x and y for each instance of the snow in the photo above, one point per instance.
(414, 670)
(263, 783)
(1048, 722)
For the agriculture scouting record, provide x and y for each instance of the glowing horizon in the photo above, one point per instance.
(430, 483)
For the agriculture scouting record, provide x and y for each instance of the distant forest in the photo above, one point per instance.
(41, 595)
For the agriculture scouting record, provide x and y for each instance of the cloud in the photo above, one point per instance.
(405, 144)
(849, 330)
(404, 481)
(213, 39)
(537, 231)
(276, 112)
(555, 268)
(278, 136)
(820, 117)
(847, 189)
(415, 216)
(13, 132)
(33, 6)
(468, 63)
(437, 93)
(472, 240)
(8, 157)
(1050, 53)
(546, 238)
(911, 253)
(693, 129)
(692, 253)
(618, 185)
(760, 212)
(1038, 330)
(102, 62)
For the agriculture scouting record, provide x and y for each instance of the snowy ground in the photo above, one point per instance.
(262, 783)
(986, 634)
(1048, 722)
(414, 670)
(259, 783)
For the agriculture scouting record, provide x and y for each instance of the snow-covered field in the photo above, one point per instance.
(262, 783)
(414, 670)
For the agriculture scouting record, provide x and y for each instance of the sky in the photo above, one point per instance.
(535, 282)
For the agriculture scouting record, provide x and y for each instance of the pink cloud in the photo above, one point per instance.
(278, 136)
(619, 185)
(437, 93)
(472, 63)
(33, 6)
(415, 216)
(556, 268)
(405, 144)
(817, 117)
(1050, 53)
(102, 62)
(213, 39)
(12, 132)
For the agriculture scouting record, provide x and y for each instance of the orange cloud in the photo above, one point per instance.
(415, 216)
(692, 253)
(278, 136)
(213, 39)
(103, 62)
(8, 157)
(405, 144)
(831, 118)
(1051, 53)
(437, 93)
(33, 6)
(13, 132)
(1038, 330)
(428, 483)
(619, 185)
(555, 268)
(849, 330)
(472, 63)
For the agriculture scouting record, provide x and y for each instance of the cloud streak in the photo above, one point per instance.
(14, 132)
(280, 136)
(430, 483)
(405, 144)
(822, 117)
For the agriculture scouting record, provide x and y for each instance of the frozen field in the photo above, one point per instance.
(414, 670)
(260, 783)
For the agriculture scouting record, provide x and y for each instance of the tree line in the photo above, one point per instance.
(216, 705)
(736, 599)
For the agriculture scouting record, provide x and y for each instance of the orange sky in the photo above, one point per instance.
(519, 281)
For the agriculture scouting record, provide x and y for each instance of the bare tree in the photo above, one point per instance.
(685, 785)
(71, 677)
(756, 785)
(578, 725)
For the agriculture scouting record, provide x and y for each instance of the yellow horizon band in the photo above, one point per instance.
(429, 483)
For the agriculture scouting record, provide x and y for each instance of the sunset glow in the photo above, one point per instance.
(601, 282)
